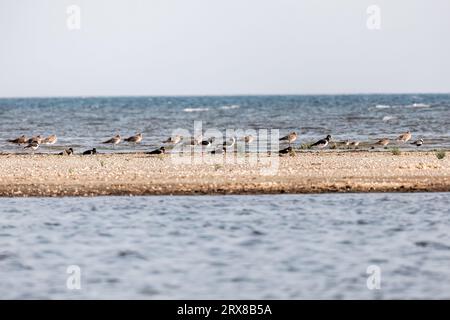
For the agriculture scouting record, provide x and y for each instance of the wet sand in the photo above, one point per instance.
(141, 174)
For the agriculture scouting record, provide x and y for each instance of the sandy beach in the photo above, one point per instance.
(141, 174)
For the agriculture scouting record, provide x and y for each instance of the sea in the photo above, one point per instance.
(315, 246)
(83, 123)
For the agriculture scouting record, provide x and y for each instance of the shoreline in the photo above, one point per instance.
(125, 174)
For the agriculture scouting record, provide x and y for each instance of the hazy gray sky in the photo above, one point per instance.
(195, 47)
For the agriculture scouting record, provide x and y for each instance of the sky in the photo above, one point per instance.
(223, 47)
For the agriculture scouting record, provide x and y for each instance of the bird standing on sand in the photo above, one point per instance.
(383, 142)
(161, 150)
(404, 137)
(230, 143)
(290, 138)
(135, 139)
(208, 142)
(354, 144)
(33, 146)
(50, 139)
(20, 140)
(249, 139)
(90, 152)
(114, 140)
(418, 143)
(285, 151)
(195, 141)
(174, 140)
(66, 152)
(322, 143)
(37, 139)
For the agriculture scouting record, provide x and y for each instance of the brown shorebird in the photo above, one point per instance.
(404, 137)
(135, 139)
(195, 141)
(322, 143)
(20, 140)
(354, 144)
(249, 139)
(291, 137)
(174, 140)
(383, 142)
(66, 152)
(33, 146)
(90, 152)
(37, 139)
(418, 143)
(114, 140)
(50, 139)
(161, 150)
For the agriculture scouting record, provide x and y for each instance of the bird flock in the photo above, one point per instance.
(35, 142)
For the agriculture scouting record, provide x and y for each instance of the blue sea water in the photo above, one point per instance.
(217, 247)
(85, 122)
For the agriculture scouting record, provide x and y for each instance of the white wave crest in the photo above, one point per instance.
(234, 106)
(382, 106)
(195, 109)
(388, 118)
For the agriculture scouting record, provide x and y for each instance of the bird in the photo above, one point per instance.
(418, 143)
(346, 143)
(219, 151)
(354, 144)
(249, 139)
(286, 150)
(66, 152)
(20, 140)
(230, 143)
(161, 150)
(404, 137)
(114, 140)
(50, 139)
(33, 145)
(208, 142)
(174, 140)
(382, 142)
(37, 139)
(322, 143)
(135, 139)
(291, 137)
(90, 152)
(194, 141)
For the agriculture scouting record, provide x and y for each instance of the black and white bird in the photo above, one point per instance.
(219, 151)
(286, 150)
(161, 150)
(418, 143)
(33, 146)
(90, 152)
(66, 152)
(230, 143)
(290, 138)
(208, 142)
(322, 143)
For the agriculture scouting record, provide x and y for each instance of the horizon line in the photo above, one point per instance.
(221, 95)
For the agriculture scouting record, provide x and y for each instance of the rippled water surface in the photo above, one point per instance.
(85, 122)
(285, 246)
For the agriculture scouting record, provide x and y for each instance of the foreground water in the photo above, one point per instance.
(250, 247)
(85, 122)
